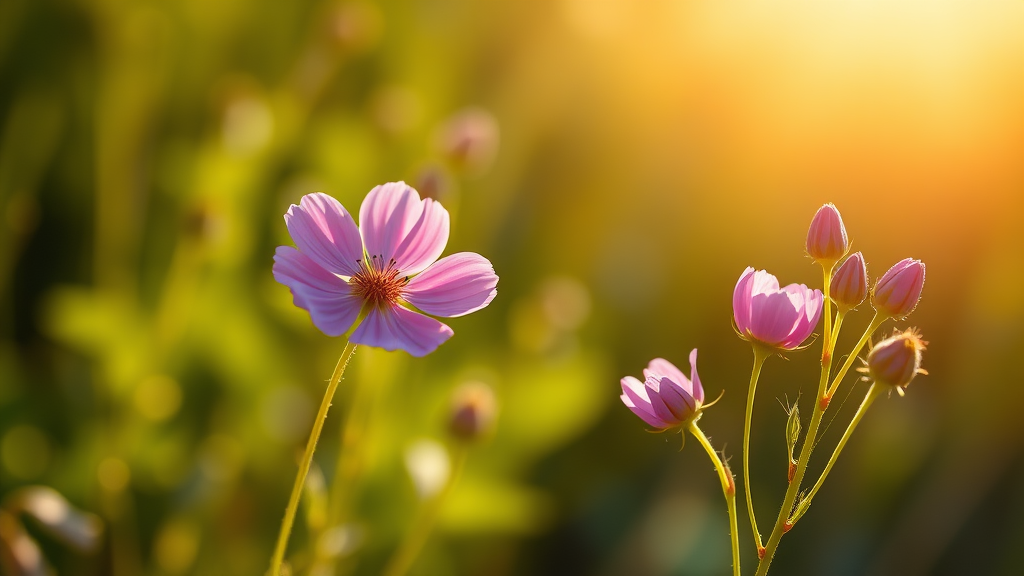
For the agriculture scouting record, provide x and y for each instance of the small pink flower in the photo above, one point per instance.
(850, 283)
(667, 398)
(826, 238)
(898, 291)
(386, 271)
(780, 318)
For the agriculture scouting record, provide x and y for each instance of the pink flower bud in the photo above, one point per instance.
(850, 283)
(897, 359)
(898, 291)
(826, 238)
(473, 411)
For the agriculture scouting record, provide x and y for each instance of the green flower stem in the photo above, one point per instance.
(760, 354)
(728, 489)
(835, 329)
(875, 323)
(782, 521)
(874, 392)
(416, 537)
(307, 459)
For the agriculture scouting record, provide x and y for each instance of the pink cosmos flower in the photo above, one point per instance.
(667, 399)
(385, 273)
(780, 318)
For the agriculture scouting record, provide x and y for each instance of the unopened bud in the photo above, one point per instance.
(850, 283)
(898, 291)
(792, 437)
(826, 238)
(473, 411)
(793, 430)
(896, 360)
(469, 140)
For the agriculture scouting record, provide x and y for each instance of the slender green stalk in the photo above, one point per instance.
(728, 489)
(760, 354)
(835, 329)
(875, 323)
(307, 459)
(782, 524)
(874, 392)
(416, 537)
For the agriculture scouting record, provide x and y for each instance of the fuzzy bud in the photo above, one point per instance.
(896, 360)
(792, 437)
(473, 410)
(826, 238)
(850, 283)
(898, 291)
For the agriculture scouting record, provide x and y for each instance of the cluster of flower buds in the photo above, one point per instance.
(895, 294)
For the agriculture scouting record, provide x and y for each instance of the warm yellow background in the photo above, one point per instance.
(649, 151)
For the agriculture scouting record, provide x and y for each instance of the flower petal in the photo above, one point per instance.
(661, 408)
(810, 302)
(660, 367)
(454, 285)
(774, 317)
(323, 230)
(677, 400)
(328, 299)
(396, 328)
(741, 300)
(396, 223)
(696, 389)
(634, 396)
(426, 241)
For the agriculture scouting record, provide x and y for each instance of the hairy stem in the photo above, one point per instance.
(728, 489)
(873, 393)
(760, 354)
(782, 521)
(875, 323)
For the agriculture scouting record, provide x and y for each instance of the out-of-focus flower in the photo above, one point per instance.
(469, 139)
(473, 411)
(898, 291)
(357, 25)
(429, 466)
(896, 360)
(850, 283)
(667, 399)
(779, 318)
(826, 238)
(384, 276)
(434, 182)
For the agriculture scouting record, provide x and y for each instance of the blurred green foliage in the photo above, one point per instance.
(153, 373)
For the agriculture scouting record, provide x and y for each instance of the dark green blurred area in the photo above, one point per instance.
(153, 373)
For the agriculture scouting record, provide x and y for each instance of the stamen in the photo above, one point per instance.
(378, 284)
